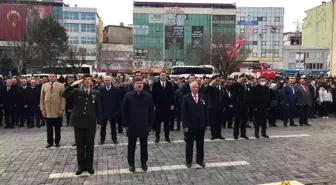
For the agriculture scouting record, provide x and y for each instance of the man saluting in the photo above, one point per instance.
(86, 118)
(194, 117)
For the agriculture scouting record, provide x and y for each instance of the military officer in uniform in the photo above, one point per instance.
(86, 119)
(240, 96)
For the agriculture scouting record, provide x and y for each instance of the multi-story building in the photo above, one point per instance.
(85, 30)
(305, 59)
(118, 34)
(174, 32)
(262, 28)
(292, 38)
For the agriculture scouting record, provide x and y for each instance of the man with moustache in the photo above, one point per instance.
(138, 116)
(86, 119)
(194, 115)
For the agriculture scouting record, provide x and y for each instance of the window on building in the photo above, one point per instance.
(88, 16)
(263, 54)
(255, 43)
(277, 31)
(276, 43)
(264, 18)
(73, 40)
(71, 15)
(264, 31)
(88, 40)
(277, 19)
(323, 54)
(255, 30)
(255, 18)
(255, 55)
(263, 43)
(259, 18)
(307, 55)
(72, 27)
(276, 54)
(242, 30)
(88, 28)
(242, 18)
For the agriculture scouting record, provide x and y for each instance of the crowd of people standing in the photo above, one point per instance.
(140, 105)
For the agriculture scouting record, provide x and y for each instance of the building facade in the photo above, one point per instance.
(263, 30)
(305, 58)
(84, 28)
(292, 38)
(118, 34)
(175, 32)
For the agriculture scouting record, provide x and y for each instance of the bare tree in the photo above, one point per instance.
(218, 54)
(115, 55)
(155, 60)
(75, 57)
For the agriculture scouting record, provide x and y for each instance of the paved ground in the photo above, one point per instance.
(304, 154)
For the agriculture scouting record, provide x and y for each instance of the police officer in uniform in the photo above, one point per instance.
(86, 119)
(240, 96)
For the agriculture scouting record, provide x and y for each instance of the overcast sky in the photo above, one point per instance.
(115, 11)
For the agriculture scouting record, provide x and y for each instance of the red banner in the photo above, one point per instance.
(13, 21)
(235, 49)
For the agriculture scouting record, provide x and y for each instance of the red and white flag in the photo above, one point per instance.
(235, 48)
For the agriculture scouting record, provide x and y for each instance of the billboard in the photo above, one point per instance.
(174, 37)
(13, 21)
(300, 59)
(140, 29)
(197, 36)
(174, 19)
(247, 23)
(224, 20)
(140, 54)
(155, 18)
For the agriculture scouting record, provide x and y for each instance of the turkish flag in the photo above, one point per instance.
(13, 21)
(232, 53)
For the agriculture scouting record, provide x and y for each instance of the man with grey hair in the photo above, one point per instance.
(194, 114)
(34, 107)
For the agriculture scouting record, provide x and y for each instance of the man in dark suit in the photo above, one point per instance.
(314, 95)
(122, 92)
(215, 93)
(111, 106)
(260, 102)
(304, 102)
(138, 116)
(194, 115)
(228, 113)
(9, 97)
(138, 75)
(69, 101)
(240, 95)
(186, 87)
(86, 119)
(34, 104)
(163, 98)
(290, 102)
(24, 93)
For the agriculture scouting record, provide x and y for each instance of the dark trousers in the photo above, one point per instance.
(241, 116)
(143, 150)
(68, 116)
(17, 114)
(162, 116)
(272, 115)
(84, 138)
(172, 119)
(228, 117)
(312, 108)
(113, 129)
(178, 119)
(324, 109)
(260, 121)
(24, 116)
(215, 122)
(35, 113)
(198, 136)
(289, 114)
(119, 121)
(304, 112)
(9, 117)
(1, 116)
(54, 123)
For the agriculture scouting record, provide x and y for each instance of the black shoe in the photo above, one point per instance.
(172, 129)
(265, 136)
(74, 144)
(144, 168)
(285, 125)
(271, 125)
(314, 117)
(201, 164)
(6, 127)
(67, 125)
(275, 125)
(257, 137)
(230, 127)
(188, 165)
(293, 125)
(102, 142)
(236, 137)
(248, 126)
(308, 124)
(120, 131)
(38, 126)
(91, 171)
(221, 137)
(21, 125)
(58, 145)
(48, 146)
(115, 142)
(245, 137)
(213, 138)
(177, 130)
(132, 168)
(78, 172)
(168, 140)
(11, 127)
(157, 140)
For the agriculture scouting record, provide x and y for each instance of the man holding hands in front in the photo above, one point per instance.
(86, 119)
(194, 117)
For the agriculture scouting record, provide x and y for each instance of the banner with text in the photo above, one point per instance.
(174, 37)
(174, 19)
(140, 29)
(155, 18)
(197, 36)
(300, 59)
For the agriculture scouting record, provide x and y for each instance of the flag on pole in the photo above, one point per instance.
(232, 53)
